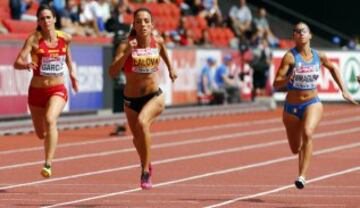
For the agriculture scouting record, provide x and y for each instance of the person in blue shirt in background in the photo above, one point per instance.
(225, 78)
(206, 83)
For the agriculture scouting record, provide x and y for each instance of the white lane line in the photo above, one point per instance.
(156, 146)
(172, 144)
(250, 166)
(283, 188)
(169, 160)
(155, 134)
(207, 154)
(108, 139)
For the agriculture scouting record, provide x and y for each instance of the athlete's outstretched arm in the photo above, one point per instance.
(21, 61)
(165, 57)
(337, 77)
(122, 53)
(72, 72)
(281, 78)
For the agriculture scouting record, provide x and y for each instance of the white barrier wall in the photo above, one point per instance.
(188, 63)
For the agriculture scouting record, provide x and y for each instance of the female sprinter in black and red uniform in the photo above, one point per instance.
(49, 51)
(144, 101)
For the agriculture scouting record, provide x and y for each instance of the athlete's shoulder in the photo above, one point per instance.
(34, 36)
(289, 55)
(159, 40)
(322, 56)
(67, 37)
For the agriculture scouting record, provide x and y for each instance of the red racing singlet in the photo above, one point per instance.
(50, 61)
(143, 60)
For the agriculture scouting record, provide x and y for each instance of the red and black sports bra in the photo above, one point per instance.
(143, 60)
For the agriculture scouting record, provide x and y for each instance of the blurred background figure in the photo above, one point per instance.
(19, 8)
(206, 84)
(116, 25)
(263, 30)
(240, 20)
(261, 62)
(211, 12)
(226, 80)
(91, 18)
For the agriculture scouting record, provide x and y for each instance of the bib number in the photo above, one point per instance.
(52, 66)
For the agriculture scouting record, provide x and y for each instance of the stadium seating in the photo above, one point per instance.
(17, 26)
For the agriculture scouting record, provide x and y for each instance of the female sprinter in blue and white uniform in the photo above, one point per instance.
(298, 74)
(139, 57)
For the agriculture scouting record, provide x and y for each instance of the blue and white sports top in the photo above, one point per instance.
(306, 73)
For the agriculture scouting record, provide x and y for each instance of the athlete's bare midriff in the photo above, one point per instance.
(300, 96)
(138, 85)
(43, 81)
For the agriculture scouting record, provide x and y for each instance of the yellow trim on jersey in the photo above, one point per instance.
(60, 34)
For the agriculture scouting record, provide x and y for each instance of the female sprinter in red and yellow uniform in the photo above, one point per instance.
(143, 99)
(49, 51)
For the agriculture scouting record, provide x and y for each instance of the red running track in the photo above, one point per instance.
(225, 161)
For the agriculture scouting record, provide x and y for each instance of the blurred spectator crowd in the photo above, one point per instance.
(179, 22)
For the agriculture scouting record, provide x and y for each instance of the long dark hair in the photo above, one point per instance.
(142, 9)
(41, 8)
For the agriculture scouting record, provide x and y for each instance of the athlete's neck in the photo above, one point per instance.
(49, 36)
(304, 50)
(144, 42)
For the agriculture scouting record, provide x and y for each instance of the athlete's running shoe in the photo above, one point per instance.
(300, 182)
(46, 171)
(145, 181)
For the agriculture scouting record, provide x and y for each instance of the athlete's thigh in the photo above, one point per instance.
(54, 107)
(38, 118)
(132, 117)
(152, 108)
(312, 116)
(294, 129)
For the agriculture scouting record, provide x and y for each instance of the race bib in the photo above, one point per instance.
(145, 60)
(306, 77)
(52, 66)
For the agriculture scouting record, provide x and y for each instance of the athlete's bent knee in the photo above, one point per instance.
(40, 135)
(295, 151)
(143, 123)
(50, 121)
(309, 132)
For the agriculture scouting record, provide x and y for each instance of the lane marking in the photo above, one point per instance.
(173, 144)
(207, 154)
(250, 166)
(283, 188)
(189, 130)
(165, 133)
